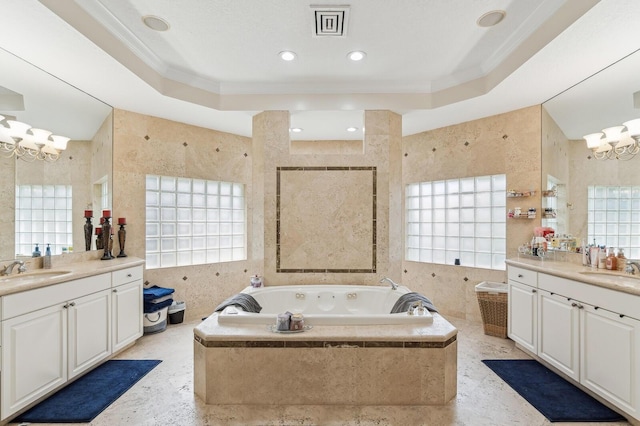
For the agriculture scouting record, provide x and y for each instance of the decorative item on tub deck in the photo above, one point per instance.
(256, 281)
(245, 301)
(407, 300)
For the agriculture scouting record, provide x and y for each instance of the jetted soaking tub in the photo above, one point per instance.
(326, 305)
(355, 353)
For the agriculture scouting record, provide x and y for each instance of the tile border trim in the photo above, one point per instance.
(348, 344)
(373, 170)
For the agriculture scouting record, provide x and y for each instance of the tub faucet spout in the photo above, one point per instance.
(393, 285)
(9, 268)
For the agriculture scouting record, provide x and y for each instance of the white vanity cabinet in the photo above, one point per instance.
(522, 315)
(51, 334)
(127, 307)
(610, 363)
(597, 333)
(589, 333)
(559, 332)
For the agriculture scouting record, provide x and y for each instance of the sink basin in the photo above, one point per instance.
(40, 275)
(610, 274)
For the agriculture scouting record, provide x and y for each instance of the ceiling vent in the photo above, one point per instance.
(330, 21)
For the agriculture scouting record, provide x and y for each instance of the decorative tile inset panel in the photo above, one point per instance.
(326, 219)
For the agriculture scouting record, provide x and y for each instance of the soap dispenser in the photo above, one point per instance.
(36, 251)
(46, 260)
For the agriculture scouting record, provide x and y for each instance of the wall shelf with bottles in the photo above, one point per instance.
(518, 194)
(517, 213)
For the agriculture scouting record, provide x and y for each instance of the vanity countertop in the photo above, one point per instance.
(614, 280)
(37, 278)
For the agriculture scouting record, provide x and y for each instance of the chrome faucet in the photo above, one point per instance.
(393, 285)
(9, 268)
(629, 268)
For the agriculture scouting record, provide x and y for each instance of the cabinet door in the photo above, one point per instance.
(559, 332)
(610, 348)
(89, 331)
(523, 315)
(34, 356)
(127, 314)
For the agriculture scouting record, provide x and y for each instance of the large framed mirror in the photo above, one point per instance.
(593, 199)
(44, 202)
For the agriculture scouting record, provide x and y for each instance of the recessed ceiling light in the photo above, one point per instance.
(356, 55)
(492, 18)
(287, 55)
(351, 129)
(155, 23)
(295, 129)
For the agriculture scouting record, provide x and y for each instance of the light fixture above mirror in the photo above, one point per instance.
(617, 142)
(28, 143)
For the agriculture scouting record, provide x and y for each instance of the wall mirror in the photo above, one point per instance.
(85, 167)
(608, 98)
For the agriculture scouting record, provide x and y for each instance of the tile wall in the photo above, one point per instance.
(508, 143)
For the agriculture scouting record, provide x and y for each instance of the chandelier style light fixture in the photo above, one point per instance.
(616, 143)
(28, 143)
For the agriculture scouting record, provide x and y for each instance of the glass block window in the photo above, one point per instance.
(457, 220)
(194, 221)
(43, 216)
(613, 217)
(104, 194)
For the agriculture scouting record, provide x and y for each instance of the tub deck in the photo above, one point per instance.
(341, 365)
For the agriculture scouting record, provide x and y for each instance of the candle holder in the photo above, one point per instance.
(99, 245)
(122, 236)
(106, 239)
(88, 233)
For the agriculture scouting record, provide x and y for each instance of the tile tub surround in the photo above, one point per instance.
(330, 365)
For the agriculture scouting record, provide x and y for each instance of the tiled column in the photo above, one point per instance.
(383, 141)
(270, 146)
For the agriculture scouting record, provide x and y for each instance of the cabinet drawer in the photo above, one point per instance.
(611, 300)
(523, 276)
(32, 300)
(127, 275)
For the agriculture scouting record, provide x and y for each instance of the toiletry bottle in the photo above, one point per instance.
(602, 258)
(593, 258)
(46, 260)
(621, 260)
(36, 251)
(611, 260)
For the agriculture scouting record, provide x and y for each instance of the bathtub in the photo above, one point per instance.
(355, 354)
(326, 305)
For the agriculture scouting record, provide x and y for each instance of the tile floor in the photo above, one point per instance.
(165, 396)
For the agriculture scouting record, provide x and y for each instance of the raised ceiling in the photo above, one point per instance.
(217, 64)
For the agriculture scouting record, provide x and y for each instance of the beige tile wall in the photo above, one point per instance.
(381, 149)
(7, 201)
(508, 143)
(149, 145)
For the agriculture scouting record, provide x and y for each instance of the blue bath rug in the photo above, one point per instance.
(556, 398)
(84, 399)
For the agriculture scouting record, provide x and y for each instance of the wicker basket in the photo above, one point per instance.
(493, 299)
